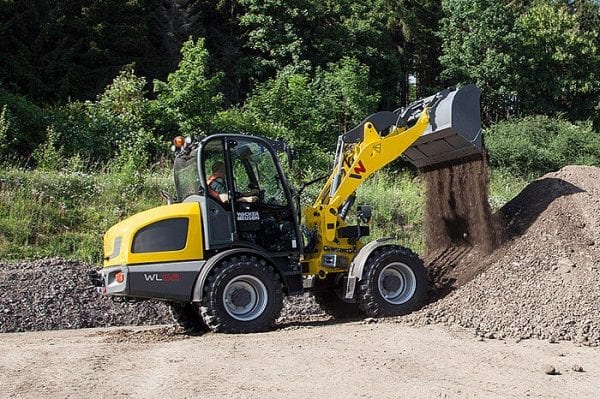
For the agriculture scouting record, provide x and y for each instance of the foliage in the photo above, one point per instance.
(504, 186)
(527, 59)
(190, 96)
(47, 156)
(309, 111)
(538, 144)
(561, 69)
(304, 35)
(414, 27)
(303, 71)
(315, 108)
(27, 123)
(398, 201)
(54, 51)
(481, 46)
(116, 124)
(57, 213)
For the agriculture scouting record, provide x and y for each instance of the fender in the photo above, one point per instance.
(355, 272)
(215, 260)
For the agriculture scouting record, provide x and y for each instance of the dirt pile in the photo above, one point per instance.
(544, 281)
(52, 294)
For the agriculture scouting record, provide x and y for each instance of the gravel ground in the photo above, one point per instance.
(541, 283)
(52, 294)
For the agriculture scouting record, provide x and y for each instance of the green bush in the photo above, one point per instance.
(535, 145)
(117, 125)
(190, 98)
(27, 124)
(47, 156)
(316, 107)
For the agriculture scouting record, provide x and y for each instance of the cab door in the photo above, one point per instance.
(263, 210)
(217, 209)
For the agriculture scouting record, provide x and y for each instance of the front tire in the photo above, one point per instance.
(394, 282)
(242, 295)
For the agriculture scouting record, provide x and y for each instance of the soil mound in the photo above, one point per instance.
(543, 281)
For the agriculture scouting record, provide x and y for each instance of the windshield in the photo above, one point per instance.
(186, 177)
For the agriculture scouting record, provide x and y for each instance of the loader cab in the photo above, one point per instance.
(243, 194)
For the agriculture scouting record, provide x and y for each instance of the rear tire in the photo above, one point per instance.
(187, 317)
(394, 282)
(242, 295)
(328, 295)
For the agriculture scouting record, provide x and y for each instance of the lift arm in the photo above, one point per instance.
(429, 132)
(357, 161)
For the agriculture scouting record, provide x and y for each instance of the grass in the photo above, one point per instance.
(66, 213)
(504, 186)
(398, 202)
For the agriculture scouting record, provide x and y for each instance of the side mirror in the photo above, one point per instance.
(364, 213)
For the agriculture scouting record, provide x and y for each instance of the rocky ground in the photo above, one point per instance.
(542, 282)
(52, 294)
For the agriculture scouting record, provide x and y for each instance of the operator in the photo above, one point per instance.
(216, 182)
(217, 187)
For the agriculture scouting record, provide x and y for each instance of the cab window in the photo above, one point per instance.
(255, 169)
(215, 174)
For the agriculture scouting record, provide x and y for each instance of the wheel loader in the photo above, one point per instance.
(224, 256)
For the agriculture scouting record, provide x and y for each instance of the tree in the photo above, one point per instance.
(190, 96)
(561, 69)
(316, 108)
(414, 26)
(308, 34)
(527, 59)
(116, 124)
(481, 45)
(66, 49)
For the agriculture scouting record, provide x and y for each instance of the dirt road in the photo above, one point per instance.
(310, 360)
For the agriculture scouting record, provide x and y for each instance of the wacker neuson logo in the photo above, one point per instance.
(246, 216)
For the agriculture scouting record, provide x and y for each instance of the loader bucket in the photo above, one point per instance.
(454, 129)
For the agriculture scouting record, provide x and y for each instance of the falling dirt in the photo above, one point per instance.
(457, 211)
(459, 224)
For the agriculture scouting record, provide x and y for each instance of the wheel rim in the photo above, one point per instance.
(245, 298)
(397, 283)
